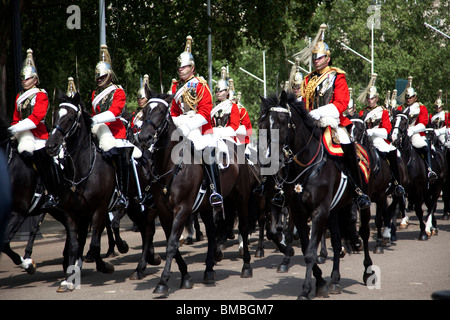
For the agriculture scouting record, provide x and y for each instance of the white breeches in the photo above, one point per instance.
(382, 145)
(28, 142)
(418, 141)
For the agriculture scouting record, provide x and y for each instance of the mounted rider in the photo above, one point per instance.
(378, 126)
(191, 113)
(142, 100)
(108, 101)
(28, 127)
(244, 132)
(418, 119)
(440, 121)
(325, 94)
(225, 114)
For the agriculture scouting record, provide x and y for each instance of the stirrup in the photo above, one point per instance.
(432, 176)
(362, 199)
(50, 202)
(122, 202)
(399, 190)
(215, 199)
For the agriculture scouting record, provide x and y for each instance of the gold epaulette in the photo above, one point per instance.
(338, 70)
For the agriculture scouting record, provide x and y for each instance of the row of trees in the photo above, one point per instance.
(145, 37)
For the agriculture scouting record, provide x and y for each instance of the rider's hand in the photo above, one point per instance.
(185, 130)
(314, 114)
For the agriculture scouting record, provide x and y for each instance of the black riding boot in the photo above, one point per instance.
(122, 162)
(425, 152)
(212, 168)
(49, 174)
(393, 165)
(352, 166)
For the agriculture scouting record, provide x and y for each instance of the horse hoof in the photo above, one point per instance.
(111, 254)
(259, 253)
(107, 268)
(282, 268)
(334, 288)
(188, 241)
(387, 242)
(378, 250)
(199, 236)
(423, 237)
(434, 231)
(187, 282)
(322, 292)
(123, 248)
(246, 272)
(209, 277)
(137, 275)
(31, 268)
(65, 287)
(154, 260)
(321, 260)
(302, 297)
(161, 289)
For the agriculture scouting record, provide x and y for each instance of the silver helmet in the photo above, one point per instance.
(370, 91)
(103, 67)
(410, 92)
(141, 92)
(439, 103)
(222, 84)
(29, 68)
(71, 88)
(186, 58)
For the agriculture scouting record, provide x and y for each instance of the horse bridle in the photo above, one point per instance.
(162, 126)
(75, 124)
(289, 156)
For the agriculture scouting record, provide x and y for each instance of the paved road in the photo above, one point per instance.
(410, 270)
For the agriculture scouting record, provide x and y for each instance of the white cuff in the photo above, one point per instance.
(379, 132)
(241, 130)
(328, 110)
(196, 121)
(103, 117)
(418, 128)
(23, 125)
(180, 120)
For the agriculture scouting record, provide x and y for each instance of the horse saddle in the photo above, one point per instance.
(330, 140)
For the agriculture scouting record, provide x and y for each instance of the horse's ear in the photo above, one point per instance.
(283, 98)
(168, 99)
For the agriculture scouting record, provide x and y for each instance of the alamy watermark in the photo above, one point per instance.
(262, 151)
(374, 280)
(375, 17)
(74, 20)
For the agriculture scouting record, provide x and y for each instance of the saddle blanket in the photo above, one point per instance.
(332, 145)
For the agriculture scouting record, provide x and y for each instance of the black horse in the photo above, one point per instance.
(83, 203)
(419, 190)
(379, 183)
(26, 199)
(312, 186)
(177, 189)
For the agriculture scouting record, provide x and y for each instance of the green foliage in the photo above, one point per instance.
(145, 37)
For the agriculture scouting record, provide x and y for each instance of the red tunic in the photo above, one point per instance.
(245, 121)
(203, 106)
(37, 115)
(422, 118)
(340, 97)
(117, 128)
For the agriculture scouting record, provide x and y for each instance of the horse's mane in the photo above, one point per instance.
(77, 101)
